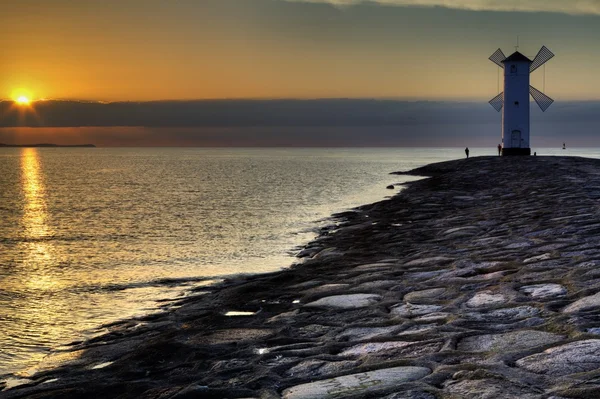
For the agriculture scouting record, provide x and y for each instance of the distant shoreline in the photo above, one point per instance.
(46, 145)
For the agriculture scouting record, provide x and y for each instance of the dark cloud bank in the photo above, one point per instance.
(335, 122)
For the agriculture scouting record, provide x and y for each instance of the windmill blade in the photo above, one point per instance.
(540, 98)
(498, 57)
(543, 56)
(497, 102)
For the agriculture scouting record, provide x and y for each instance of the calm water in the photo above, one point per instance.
(90, 236)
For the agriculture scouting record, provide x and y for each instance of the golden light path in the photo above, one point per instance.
(38, 256)
(38, 278)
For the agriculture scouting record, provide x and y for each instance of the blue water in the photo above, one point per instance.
(90, 236)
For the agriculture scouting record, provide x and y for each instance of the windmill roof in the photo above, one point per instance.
(517, 57)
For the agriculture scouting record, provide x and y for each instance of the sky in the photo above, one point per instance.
(221, 50)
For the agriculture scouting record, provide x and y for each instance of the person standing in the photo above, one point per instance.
(467, 151)
(499, 149)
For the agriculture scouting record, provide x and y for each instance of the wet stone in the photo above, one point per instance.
(375, 266)
(489, 389)
(410, 310)
(435, 316)
(325, 288)
(317, 367)
(352, 301)
(232, 335)
(544, 291)
(356, 384)
(418, 329)
(376, 285)
(360, 333)
(423, 295)
(538, 258)
(486, 299)
(587, 303)
(575, 357)
(433, 261)
(512, 341)
(410, 395)
(505, 314)
(373, 347)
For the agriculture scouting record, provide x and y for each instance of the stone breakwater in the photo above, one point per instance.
(481, 281)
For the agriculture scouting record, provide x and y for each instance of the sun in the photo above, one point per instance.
(23, 100)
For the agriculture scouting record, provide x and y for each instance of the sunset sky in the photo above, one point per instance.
(188, 49)
(149, 50)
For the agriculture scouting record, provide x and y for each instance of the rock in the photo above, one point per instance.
(340, 367)
(486, 299)
(356, 384)
(324, 288)
(191, 391)
(467, 230)
(489, 389)
(436, 260)
(390, 187)
(512, 341)
(423, 295)
(372, 347)
(418, 329)
(376, 285)
(575, 357)
(317, 368)
(375, 266)
(232, 335)
(351, 301)
(360, 333)
(538, 258)
(544, 291)
(409, 310)
(327, 252)
(435, 316)
(505, 314)
(587, 303)
(410, 395)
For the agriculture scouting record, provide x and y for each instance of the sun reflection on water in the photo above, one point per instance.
(38, 252)
(35, 211)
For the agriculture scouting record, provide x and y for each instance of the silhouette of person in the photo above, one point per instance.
(467, 151)
(499, 149)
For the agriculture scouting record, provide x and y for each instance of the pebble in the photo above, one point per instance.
(356, 384)
(575, 357)
(544, 291)
(512, 341)
(486, 299)
(410, 310)
(587, 303)
(423, 295)
(352, 301)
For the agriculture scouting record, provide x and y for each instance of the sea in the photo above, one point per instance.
(90, 236)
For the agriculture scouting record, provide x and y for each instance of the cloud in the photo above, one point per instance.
(577, 7)
(289, 123)
(271, 113)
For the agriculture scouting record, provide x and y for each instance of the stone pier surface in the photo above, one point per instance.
(481, 280)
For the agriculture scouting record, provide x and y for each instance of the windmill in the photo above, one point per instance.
(514, 100)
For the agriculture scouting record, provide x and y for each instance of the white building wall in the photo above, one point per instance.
(515, 113)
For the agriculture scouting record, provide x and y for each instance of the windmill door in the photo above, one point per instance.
(515, 139)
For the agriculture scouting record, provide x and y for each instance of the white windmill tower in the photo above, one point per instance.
(514, 101)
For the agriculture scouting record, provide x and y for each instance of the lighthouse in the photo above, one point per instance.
(514, 100)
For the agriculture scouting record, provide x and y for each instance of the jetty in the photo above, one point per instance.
(481, 280)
